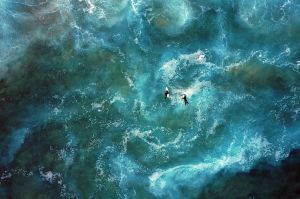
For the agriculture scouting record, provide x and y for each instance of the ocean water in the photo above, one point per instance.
(83, 113)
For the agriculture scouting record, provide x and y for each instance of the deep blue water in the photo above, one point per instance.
(82, 107)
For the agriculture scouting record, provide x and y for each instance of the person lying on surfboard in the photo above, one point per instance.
(167, 93)
(183, 96)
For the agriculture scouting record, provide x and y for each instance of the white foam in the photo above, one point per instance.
(92, 7)
(98, 106)
(193, 89)
(170, 67)
(50, 176)
(279, 155)
(129, 80)
(125, 170)
(111, 11)
(125, 142)
(5, 175)
(152, 141)
(117, 98)
(135, 4)
(155, 176)
(56, 111)
(194, 58)
(215, 125)
(243, 153)
(252, 13)
(256, 147)
(189, 173)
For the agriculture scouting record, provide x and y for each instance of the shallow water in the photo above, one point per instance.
(83, 113)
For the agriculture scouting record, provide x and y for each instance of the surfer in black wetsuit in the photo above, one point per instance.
(167, 93)
(183, 96)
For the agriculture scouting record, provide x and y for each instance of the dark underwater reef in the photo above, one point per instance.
(263, 181)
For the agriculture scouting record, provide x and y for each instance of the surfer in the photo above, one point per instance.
(183, 96)
(167, 93)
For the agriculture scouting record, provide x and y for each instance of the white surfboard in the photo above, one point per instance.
(168, 95)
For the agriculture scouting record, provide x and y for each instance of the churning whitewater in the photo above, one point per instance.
(83, 112)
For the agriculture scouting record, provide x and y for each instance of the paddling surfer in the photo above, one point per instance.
(183, 96)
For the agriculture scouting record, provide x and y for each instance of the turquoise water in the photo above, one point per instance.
(83, 113)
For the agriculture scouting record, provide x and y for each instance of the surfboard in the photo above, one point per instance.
(168, 95)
